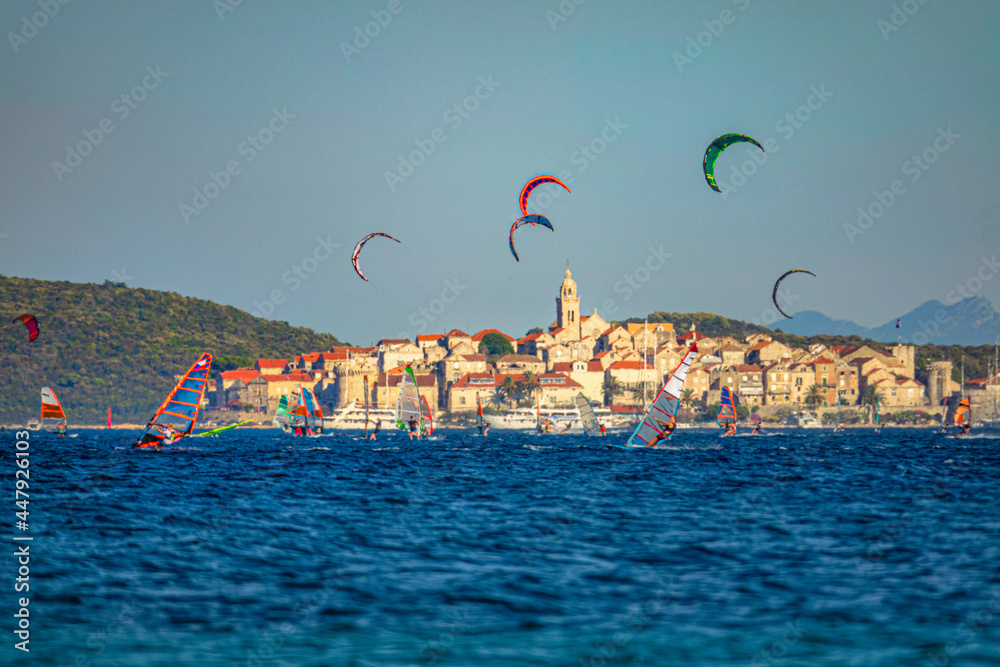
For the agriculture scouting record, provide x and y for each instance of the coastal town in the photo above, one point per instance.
(617, 366)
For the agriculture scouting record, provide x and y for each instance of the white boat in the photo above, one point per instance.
(560, 420)
(352, 418)
(802, 420)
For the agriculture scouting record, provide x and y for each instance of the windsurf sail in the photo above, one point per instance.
(366, 407)
(727, 408)
(297, 415)
(109, 417)
(281, 417)
(663, 409)
(314, 413)
(963, 414)
(52, 410)
(180, 411)
(587, 415)
(480, 421)
(408, 401)
(223, 428)
(426, 416)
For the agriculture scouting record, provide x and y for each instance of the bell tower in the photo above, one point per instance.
(568, 305)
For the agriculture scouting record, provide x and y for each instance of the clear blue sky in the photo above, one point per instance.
(554, 85)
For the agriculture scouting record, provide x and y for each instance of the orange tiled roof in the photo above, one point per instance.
(456, 333)
(631, 365)
(240, 374)
(748, 368)
(428, 337)
(297, 376)
(272, 363)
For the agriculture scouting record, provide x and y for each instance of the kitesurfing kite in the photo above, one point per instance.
(774, 293)
(29, 321)
(533, 219)
(716, 148)
(534, 183)
(361, 244)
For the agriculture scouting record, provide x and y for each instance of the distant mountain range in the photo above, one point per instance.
(971, 321)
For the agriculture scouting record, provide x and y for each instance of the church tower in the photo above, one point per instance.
(568, 306)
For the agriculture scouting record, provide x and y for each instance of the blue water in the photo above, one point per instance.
(260, 549)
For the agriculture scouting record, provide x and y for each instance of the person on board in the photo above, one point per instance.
(486, 429)
(756, 428)
(61, 429)
(413, 428)
(378, 427)
(665, 433)
(966, 429)
(170, 436)
(730, 427)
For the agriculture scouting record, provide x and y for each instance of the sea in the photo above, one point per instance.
(256, 548)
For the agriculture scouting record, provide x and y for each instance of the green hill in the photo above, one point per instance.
(113, 346)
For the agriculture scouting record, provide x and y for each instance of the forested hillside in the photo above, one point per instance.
(113, 346)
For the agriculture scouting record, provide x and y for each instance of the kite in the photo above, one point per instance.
(361, 244)
(774, 294)
(29, 321)
(534, 183)
(533, 219)
(716, 148)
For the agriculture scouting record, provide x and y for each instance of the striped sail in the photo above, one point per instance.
(52, 411)
(408, 401)
(479, 412)
(587, 415)
(314, 413)
(281, 414)
(727, 407)
(426, 415)
(297, 415)
(182, 405)
(664, 407)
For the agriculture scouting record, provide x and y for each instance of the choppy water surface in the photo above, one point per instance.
(261, 549)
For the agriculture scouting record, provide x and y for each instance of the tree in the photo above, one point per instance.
(815, 396)
(611, 387)
(508, 388)
(495, 345)
(529, 385)
(532, 330)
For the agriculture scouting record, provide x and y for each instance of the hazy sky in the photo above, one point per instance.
(309, 115)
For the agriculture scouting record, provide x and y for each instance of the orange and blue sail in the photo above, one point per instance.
(426, 416)
(727, 408)
(314, 414)
(181, 408)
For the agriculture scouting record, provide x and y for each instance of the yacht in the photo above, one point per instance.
(802, 420)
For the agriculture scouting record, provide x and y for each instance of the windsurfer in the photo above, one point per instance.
(378, 427)
(486, 429)
(668, 429)
(413, 428)
(604, 431)
(966, 428)
(61, 429)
